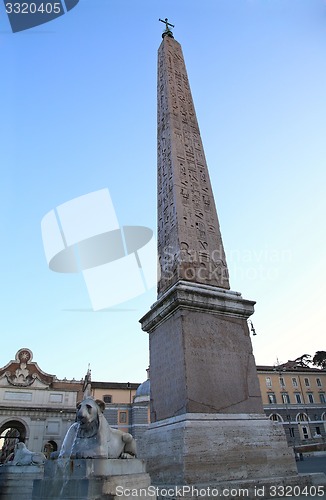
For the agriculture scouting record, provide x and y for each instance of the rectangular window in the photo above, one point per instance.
(291, 431)
(310, 397)
(18, 396)
(306, 382)
(305, 433)
(56, 398)
(123, 417)
(318, 430)
(285, 398)
(318, 382)
(107, 398)
(52, 427)
(268, 382)
(271, 398)
(294, 382)
(282, 382)
(298, 398)
(322, 397)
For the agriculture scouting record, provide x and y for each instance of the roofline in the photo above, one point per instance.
(115, 385)
(285, 369)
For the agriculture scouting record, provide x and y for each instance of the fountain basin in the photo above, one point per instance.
(90, 479)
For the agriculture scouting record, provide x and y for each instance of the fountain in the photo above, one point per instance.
(95, 461)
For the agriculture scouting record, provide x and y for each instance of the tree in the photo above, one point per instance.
(303, 360)
(319, 359)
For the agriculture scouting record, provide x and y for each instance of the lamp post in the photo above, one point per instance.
(252, 329)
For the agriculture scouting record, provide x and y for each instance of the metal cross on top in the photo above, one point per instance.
(167, 24)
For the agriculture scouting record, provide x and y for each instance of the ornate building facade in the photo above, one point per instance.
(38, 408)
(35, 407)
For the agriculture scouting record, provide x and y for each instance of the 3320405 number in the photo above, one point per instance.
(33, 8)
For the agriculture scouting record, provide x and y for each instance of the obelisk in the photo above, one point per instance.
(207, 421)
(201, 356)
(189, 239)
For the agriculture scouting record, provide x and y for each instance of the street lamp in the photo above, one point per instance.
(252, 329)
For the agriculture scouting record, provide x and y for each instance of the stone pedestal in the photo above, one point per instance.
(201, 358)
(91, 479)
(210, 448)
(199, 455)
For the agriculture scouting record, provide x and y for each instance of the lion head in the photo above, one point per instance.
(88, 412)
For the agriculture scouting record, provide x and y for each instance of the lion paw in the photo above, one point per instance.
(126, 455)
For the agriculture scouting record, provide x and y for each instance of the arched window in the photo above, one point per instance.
(276, 417)
(49, 448)
(302, 417)
(323, 418)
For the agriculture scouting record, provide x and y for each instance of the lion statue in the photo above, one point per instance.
(92, 437)
(23, 456)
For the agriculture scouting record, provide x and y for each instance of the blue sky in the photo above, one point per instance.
(78, 114)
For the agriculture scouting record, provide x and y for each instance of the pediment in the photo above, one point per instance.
(23, 372)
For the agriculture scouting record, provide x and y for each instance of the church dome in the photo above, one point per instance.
(143, 392)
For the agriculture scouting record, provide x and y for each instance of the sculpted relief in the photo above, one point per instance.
(22, 372)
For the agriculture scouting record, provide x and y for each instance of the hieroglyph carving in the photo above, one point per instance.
(189, 240)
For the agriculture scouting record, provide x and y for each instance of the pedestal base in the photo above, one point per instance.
(221, 451)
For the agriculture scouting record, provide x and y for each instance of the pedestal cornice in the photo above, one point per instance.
(196, 297)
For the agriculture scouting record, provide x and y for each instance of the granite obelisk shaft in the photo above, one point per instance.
(189, 240)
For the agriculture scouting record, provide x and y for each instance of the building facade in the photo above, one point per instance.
(126, 405)
(295, 396)
(35, 407)
(38, 408)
